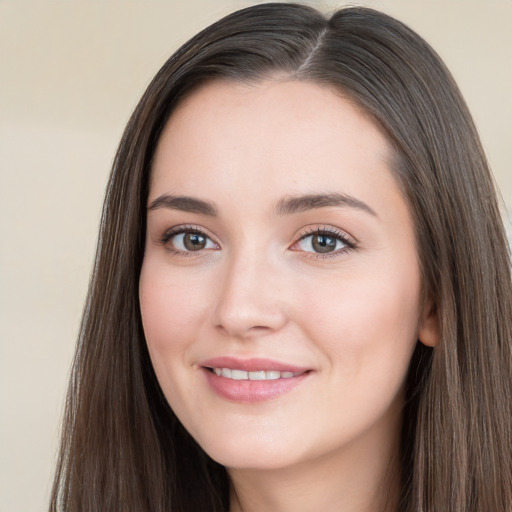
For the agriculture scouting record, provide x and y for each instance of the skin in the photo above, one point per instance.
(259, 289)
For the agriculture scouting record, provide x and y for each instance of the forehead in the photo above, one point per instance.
(274, 137)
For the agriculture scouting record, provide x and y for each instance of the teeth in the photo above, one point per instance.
(238, 375)
(256, 375)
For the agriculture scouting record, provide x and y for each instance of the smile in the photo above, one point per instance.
(236, 374)
(250, 381)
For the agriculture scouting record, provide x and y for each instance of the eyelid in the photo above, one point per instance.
(326, 229)
(168, 234)
(348, 240)
(350, 243)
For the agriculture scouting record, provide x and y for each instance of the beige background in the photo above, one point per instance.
(70, 74)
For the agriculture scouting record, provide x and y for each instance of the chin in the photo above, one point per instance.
(238, 454)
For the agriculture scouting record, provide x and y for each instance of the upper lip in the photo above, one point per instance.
(252, 364)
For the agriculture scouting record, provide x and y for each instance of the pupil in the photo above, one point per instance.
(323, 243)
(194, 241)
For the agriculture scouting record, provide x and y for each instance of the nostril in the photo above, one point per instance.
(241, 312)
(241, 331)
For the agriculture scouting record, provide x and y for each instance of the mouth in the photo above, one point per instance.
(253, 380)
(237, 374)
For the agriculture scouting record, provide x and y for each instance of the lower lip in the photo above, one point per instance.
(251, 391)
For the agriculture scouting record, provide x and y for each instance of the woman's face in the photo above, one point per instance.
(280, 288)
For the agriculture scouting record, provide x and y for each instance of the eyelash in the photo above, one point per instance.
(344, 238)
(178, 230)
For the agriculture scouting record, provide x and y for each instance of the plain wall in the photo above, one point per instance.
(70, 74)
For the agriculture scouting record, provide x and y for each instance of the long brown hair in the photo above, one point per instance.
(122, 447)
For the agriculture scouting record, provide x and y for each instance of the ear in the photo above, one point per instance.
(428, 331)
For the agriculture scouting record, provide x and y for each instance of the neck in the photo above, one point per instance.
(364, 477)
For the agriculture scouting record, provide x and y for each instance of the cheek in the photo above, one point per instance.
(172, 308)
(367, 322)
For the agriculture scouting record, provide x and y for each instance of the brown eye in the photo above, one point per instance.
(323, 243)
(190, 241)
(194, 241)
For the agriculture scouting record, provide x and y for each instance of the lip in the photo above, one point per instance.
(252, 365)
(251, 391)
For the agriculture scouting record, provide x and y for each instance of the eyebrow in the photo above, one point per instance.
(286, 206)
(184, 204)
(297, 204)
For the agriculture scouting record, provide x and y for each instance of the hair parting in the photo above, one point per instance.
(122, 446)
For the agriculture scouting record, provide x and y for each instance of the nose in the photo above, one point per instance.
(250, 300)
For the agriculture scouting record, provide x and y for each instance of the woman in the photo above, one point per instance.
(301, 297)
